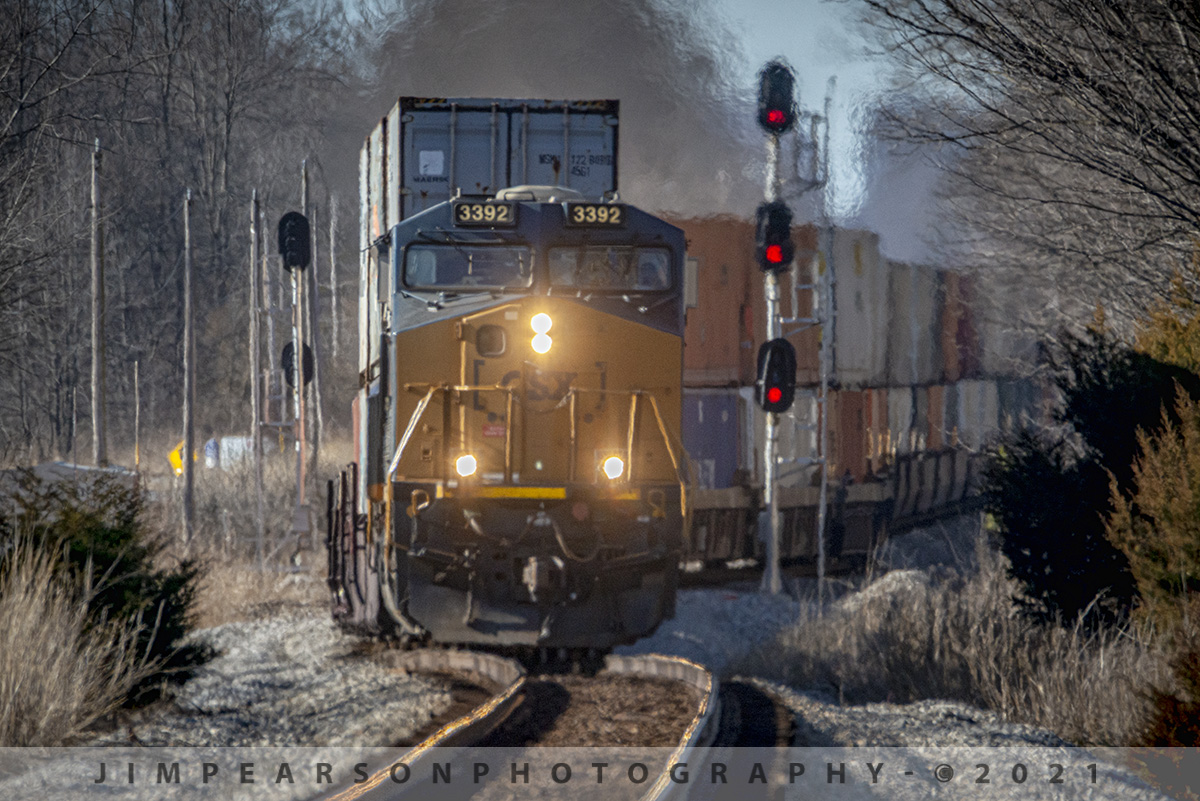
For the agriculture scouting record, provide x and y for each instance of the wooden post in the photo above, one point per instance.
(333, 287)
(314, 336)
(137, 420)
(189, 384)
(99, 377)
(256, 453)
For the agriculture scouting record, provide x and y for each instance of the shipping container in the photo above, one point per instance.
(1005, 350)
(849, 435)
(978, 413)
(861, 298)
(960, 340)
(427, 151)
(1019, 403)
(902, 423)
(914, 336)
(720, 338)
(879, 447)
(712, 435)
(935, 438)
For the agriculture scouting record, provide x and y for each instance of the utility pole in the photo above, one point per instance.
(256, 450)
(827, 316)
(99, 371)
(189, 379)
(314, 328)
(271, 304)
(137, 419)
(299, 342)
(333, 288)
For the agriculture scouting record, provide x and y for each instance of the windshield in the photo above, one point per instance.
(611, 267)
(458, 265)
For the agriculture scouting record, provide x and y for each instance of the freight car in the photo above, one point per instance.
(519, 478)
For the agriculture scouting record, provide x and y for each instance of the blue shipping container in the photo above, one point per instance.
(711, 434)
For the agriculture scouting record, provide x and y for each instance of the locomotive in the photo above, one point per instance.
(519, 478)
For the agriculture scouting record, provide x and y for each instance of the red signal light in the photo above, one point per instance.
(775, 388)
(776, 98)
(773, 246)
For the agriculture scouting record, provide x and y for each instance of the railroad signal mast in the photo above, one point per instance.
(775, 385)
(295, 250)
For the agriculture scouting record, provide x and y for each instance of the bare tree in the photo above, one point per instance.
(1068, 126)
(221, 96)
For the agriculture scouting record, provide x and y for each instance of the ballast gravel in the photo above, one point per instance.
(290, 680)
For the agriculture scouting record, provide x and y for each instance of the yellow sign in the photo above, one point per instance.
(175, 457)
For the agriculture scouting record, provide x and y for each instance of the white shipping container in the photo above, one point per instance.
(861, 323)
(902, 423)
(914, 336)
(978, 413)
(1005, 349)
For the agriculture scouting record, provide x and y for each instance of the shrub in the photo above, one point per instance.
(1051, 494)
(1048, 507)
(98, 527)
(1158, 526)
(1111, 391)
(1171, 330)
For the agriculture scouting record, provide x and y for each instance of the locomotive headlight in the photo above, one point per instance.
(465, 465)
(613, 467)
(541, 325)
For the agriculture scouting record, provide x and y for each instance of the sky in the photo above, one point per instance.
(872, 186)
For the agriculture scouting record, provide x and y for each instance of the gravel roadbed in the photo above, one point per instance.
(289, 680)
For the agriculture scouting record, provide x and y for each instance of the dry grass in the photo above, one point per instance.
(226, 507)
(58, 675)
(235, 590)
(912, 636)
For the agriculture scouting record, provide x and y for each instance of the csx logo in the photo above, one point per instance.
(543, 385)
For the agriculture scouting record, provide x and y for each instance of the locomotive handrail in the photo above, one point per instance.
(680, 473)
(679, 468)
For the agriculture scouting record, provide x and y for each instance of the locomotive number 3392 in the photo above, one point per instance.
(594, 214)
(484, 214)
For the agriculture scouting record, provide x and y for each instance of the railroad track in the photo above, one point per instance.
(650, 711)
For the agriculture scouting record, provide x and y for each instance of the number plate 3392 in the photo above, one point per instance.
(488, 214)
(600, 215)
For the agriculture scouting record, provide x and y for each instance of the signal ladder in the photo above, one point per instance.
(276, 311)
(808, 423)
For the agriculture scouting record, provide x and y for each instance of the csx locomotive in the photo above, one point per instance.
(519, 477)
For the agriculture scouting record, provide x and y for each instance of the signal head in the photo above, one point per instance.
(776, 386)
(295, 241)
(773, 246)
(776, 98)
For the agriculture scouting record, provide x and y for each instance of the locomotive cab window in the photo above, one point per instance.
(462, 266)
(618, 267)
